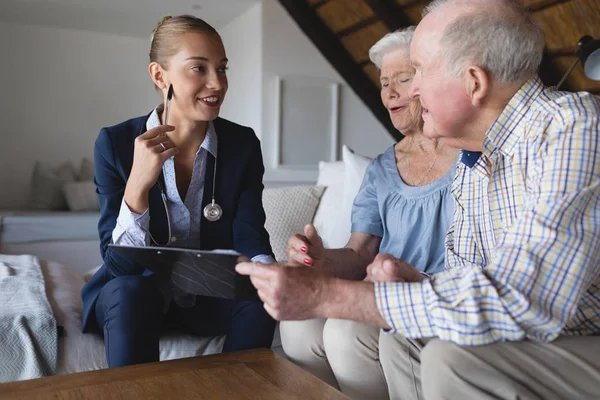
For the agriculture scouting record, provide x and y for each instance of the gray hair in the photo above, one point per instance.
(505, 41)
(391, 41)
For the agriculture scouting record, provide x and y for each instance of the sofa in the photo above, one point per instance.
(67, 248)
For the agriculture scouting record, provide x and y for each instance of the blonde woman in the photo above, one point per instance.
(142, 161)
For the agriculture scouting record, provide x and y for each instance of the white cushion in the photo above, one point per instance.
(288, 210)
(329, 212)
(333, 217)
(354, 172)
(86, 170)
(81, 196)
(330, 173)
(46, 185)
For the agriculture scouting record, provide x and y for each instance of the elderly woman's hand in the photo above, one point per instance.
(387, 268)
(307, 249)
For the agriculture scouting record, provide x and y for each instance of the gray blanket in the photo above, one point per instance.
(28, 334)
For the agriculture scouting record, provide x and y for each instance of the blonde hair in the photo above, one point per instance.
(162, 40)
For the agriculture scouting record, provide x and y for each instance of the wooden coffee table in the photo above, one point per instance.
(252, 374)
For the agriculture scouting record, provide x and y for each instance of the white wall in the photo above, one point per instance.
(264, 43)
(287, 51)
(243, 44)
(59, 88)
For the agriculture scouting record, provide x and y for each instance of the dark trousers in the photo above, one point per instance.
(131, 316)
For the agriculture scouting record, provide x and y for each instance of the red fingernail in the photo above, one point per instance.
(303, 249)
(307, 261)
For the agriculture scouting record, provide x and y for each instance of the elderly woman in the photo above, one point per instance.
(403, 208)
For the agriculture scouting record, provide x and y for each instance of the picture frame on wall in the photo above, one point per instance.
(307, 122)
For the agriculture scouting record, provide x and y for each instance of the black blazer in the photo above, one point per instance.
(238, 191)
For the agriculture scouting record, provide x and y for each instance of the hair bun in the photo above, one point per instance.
(158, 25)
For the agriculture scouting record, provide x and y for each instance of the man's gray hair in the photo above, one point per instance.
(499, 37)
(390, 42)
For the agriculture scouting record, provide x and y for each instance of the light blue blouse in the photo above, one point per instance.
(411, 220)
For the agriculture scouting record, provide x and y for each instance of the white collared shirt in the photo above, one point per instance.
(132, 229)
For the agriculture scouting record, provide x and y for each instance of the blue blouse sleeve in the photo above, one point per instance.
(365, 211)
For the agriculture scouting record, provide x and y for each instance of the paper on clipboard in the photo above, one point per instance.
(199, 272)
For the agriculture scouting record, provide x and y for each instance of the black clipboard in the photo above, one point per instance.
(198, 272)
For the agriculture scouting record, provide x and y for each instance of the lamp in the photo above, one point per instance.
(588, 52)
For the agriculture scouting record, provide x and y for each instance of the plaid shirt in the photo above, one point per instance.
(523, 253)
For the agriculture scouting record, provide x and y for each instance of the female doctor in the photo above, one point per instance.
(179, 176)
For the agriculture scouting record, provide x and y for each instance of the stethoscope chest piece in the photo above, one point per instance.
(213, 211)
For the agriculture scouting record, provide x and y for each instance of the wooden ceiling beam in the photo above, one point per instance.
(331, 48)
(390, 13)
(544, 4)
(358, 26)
(319, 4)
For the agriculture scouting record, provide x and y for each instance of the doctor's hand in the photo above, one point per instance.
(151, 150)
(307, 249)
(387, 268)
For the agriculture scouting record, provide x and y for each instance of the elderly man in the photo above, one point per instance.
(517, 313)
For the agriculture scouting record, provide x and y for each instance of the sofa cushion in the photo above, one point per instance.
(330, 173)
(86, 170)
(46, 185)
(329, 212)
(354, 172)
(81, 196)
(288, 210)
(343, 180)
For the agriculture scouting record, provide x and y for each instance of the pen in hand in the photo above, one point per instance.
(167, 104)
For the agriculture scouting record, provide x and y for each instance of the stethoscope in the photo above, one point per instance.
(212, 211)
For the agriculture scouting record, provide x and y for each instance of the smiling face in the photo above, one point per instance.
(447, 109)
(396, 76)
(198, 73)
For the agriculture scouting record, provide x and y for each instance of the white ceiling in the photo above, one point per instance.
(122, 17)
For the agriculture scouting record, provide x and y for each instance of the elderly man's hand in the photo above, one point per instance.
(387, 268)
(287, 293)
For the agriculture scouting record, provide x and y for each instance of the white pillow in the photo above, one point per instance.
(354, 171)
(81, 196)
(329, 212)
(86, 170)
(333, 217)
(288, 210)
(330, 173)
(46, 185)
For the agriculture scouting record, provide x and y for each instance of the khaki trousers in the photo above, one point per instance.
(343, 353)
(567, 368)
(366, 363)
